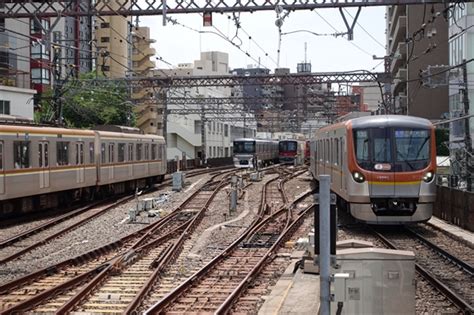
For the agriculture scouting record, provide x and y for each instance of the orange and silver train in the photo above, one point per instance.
(382, 168)
(46, 167)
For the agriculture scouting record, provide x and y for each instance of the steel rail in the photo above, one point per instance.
(254, 227)
(233, 297)
(467, 267)
(95, 253)
(114, 267)
(45, 225)
(65, 230)
(134, 251)
(457, 300)
(172, 252)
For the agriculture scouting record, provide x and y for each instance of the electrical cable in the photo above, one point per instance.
(351, 42)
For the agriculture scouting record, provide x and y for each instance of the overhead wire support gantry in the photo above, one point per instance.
(51, 8)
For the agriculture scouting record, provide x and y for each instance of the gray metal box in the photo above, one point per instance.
(374, 281)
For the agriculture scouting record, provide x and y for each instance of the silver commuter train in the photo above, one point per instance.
(251, 153)
(43, 167)
(382, 167)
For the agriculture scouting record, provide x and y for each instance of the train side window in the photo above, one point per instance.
(91, 153)
(130, 151)
(121, 152)
(62, 153)
(139, 151)
(147, 152)
(326, 150)
(111, 152)
(153, 151)
(21, 154)
(160, 152)
(102, 153)
(336, 145)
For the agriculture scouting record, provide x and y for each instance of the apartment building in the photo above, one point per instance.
(461, 43)
(416, 38)
(203, 132)
(149, 111)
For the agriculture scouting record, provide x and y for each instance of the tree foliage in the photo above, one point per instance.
(87, 105)
(442, 140)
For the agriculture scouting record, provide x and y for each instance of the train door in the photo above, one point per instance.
(2, 170)
(80, 162)
(43, 162)
(111, 160)
(341, 162)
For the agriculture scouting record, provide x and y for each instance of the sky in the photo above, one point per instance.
(179, 44)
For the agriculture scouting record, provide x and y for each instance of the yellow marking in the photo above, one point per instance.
(417, 182)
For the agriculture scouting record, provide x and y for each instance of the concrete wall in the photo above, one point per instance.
(21, 103)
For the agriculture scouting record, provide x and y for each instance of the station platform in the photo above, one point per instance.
(455, 231)
(294, 293)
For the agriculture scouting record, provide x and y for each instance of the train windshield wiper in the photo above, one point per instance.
(405, 159)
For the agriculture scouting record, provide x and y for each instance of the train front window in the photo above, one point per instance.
(244, 147)
(288, 146)
(412, 148)
(392, 149)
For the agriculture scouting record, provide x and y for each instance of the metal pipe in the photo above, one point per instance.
(324, 243)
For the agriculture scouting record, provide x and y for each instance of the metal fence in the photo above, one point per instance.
(455, 206)
(195, 163)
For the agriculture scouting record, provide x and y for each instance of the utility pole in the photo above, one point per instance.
(467, 131)
(57, 102)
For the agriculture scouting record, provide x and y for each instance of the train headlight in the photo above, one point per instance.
(428, 177)
(358, 177)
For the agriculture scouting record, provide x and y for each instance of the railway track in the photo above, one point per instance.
(26, 241)
(450, 275)
(217, 286)
(73, 274)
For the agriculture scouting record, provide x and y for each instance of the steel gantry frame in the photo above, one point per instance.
(235, 80)
(51, 8)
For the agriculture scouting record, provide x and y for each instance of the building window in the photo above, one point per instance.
(21, 154)
(39, 51)
(105, 39)
(62, 153)
(226, 130)
(104, 25)
(38, 26)
(105, 68)
(121, 152)
(40, 76)
(5, 107)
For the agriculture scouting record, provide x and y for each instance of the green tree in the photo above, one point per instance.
(442, 140)
(88, 104)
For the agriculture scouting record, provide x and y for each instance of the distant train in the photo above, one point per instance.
(382, 167)
(45, 167)
(291, 151)
(252, 153)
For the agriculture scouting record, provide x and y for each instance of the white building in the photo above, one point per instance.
(221, 124)
(16, 101)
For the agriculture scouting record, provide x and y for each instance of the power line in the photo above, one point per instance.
(351, 42)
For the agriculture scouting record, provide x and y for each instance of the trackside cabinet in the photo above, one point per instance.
(373, 281)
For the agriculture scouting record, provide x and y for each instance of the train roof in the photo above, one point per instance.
(253, 139)
(53, 131)
(390, 120)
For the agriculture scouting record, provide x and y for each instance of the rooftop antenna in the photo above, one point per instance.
(305, 49)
